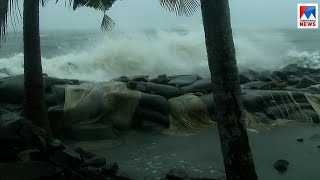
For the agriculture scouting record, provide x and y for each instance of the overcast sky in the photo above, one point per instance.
(142, 14)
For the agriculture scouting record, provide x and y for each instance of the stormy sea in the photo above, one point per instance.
(280, 80)
(97, 56)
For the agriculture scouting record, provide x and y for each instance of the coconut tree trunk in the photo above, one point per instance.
(235, 147)
(34, 105)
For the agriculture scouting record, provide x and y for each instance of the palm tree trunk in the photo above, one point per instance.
(34, 105)
(235, 146)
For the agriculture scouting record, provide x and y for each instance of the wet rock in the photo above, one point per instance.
(84, 154)
(121, 175)
(152, 115)
(12, 89)
(55, 116)
(289, 67)
(203, 85)
(279, 75)
(281, 165)
(94, 162)
(67, 157)
(7, 116)
(161, 79)
(28, 170)
(300, 139)
(177, 174)
(56, 95)
(315, 77)
(293, 81)
(315, 89)
(27, 155)
(93, 131)
(110, 169)
(243, 79)
(166, 91)
(305, 82)
(155, 102)
(208, 100)
(184, 80)
(257, 85)
(140, 78)
(122, 79)
(4, 71)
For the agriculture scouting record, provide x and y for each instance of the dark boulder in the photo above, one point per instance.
(257, 85)
(315, 77)
(305, 82)
(122, 79)
(140, 78)
(166, 91)
(161, 79)
(67, 157)
(289, 67)
(155, 102)
(243, 79)
(293, 81)
(279, 75)
(152, 115)
(28, 170)
(315, 89)
(94, 162)
(110, 169)
(184, 80)
(176, 174)
(208, 100)
(203, 85)
(281, 165)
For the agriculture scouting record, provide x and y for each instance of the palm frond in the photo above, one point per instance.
(107, 23)
(102, 5)
(8, 8)
(181, 7)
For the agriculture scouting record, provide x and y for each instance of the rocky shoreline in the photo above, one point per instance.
(85, 111)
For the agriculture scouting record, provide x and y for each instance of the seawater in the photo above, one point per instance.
(98, 56)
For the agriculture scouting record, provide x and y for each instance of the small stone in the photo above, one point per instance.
(300, 140)
(281, 165)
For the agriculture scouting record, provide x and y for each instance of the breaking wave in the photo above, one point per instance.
(162, 52)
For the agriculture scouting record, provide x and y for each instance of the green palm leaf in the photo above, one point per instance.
(181, 7)
(8, 8)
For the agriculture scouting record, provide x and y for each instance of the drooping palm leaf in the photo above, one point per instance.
(8, 8)
(107, 23)
(181, 7)
(102, 5)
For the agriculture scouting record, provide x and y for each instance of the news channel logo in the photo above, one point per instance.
(307, 16)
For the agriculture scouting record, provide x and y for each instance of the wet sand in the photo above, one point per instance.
(149, 156)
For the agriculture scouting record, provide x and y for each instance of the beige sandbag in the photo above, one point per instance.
(314, 100)
(189, 112)
(87, 102)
